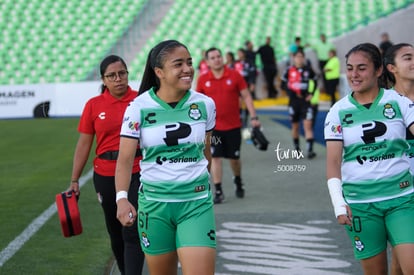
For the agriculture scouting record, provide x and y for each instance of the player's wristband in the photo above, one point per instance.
(74, 181)
(335, 191)
(121, 195)
(254, 118)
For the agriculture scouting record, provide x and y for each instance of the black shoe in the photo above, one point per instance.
(239, 192)
(239, 187)
(311, 155)
(218, 198)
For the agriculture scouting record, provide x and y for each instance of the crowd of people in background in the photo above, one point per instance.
(245, 61)
(328, 67)
(124, 176)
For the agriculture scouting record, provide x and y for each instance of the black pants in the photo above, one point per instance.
(322, 64)
(125, 241)
(331, 86)
(270, 74)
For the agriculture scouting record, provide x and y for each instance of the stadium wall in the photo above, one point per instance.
(47, 100)
(397, 25)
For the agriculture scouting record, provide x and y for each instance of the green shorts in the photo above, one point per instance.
(376, 223)
(166, 226)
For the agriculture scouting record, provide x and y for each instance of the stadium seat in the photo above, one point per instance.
(40, 38)
(46, 35)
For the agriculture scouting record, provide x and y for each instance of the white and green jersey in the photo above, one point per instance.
(375, 166)
(173, 167)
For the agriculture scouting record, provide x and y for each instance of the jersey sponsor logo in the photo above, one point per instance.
(347, 119)
(102, 115)
(161, 160)
(410, 153)
(178, 149)
(373, 147)
(389, 111)
(372, 130)
(336, 129)
(194, 112)
(176, 131)
(133, 125)
(148, 118)
(382, 157)
(362, 159)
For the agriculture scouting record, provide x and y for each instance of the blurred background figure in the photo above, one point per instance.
(385, 43)
(268, 58)
(202, 65)
(332, 73)
(250, 55)
(322, 48)
(293, 48)
(295, 81)
(230, 60)
(225, 87)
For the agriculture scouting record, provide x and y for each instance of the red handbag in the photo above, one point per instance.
(68, 212)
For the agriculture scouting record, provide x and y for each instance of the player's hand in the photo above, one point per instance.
(255, 123)
(346, 219)
(126, 213)
(74, 186)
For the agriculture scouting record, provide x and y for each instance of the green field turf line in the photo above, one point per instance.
(34, 226)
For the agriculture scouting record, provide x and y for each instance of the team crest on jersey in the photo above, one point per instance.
(144, 239)
(389, 111)
(359, 245)
(194, 112)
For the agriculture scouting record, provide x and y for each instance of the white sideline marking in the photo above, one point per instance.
(36, 224)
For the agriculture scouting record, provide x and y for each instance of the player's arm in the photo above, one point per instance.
(411, 128)
(248, 100)
(125, 210)
(333, 174)
(82, 150)
(207, 149)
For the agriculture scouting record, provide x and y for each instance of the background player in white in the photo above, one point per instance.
(399, 71)
(369, 178)
(173, 126)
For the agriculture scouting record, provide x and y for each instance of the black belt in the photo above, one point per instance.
(113, 155)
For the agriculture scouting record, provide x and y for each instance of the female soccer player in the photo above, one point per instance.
(369, 177)
(173, 126)
(399, 72)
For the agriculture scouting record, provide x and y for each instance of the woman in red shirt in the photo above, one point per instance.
(102, 117)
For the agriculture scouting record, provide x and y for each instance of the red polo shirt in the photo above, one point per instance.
(225, 91)
(102, 116)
